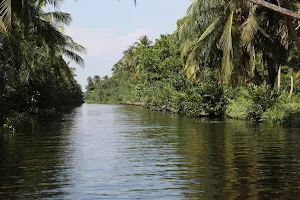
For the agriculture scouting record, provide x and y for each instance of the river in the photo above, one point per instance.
(126, 152)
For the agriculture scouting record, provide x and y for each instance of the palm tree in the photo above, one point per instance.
(143, 41)
(285, 27)
(22, 9)
(131, 59)
(208, 23)
(236, 28)
(33, 33)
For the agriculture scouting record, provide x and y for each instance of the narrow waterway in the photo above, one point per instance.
(126, 152)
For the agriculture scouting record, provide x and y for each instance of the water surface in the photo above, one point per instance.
(125, 152)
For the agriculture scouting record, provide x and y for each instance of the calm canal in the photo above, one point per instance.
(125, 152)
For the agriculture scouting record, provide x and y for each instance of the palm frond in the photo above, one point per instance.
(73, 56)
(249, 29)
(209, 29)
(72, 45)
(5, 12)
(56, 16)
(3, 28)
(64, 67)
(54, 3)
(226, 45)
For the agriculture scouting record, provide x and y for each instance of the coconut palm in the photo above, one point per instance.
(33, 33)
(143, 41)
(236, 28)
(208, 23)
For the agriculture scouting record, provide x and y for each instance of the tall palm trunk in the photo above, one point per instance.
(292, 86)
(2, 82)
(279, 78)
(273, 67)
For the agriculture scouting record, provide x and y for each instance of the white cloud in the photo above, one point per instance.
(104, 42)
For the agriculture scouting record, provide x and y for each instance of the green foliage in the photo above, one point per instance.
(252, 102)
(238, 108)
(34, 75)
(263, 104)
(263, 98)
(224, 57)
(207, 99)
(160, 83)
(287, 114)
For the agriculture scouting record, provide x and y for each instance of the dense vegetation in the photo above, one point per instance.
(34, 74)
(229, 57)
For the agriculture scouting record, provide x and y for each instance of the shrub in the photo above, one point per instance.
(238, 107)
(263, 98)
(285, 113)
(292, 117)
(207, 99)
(253, 102)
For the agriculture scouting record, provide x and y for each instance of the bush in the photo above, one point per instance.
(238, 107)
(260, 103)
(263, 98)
(274, 114)
(252, 102)
(292, 117)
(206, 99)
(285, 113)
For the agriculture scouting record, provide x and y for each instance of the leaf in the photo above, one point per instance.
(5, 12)
(249, 29)
(57, 16)
(73, 56)
(209, 29)
(226, 45)
(3, 28)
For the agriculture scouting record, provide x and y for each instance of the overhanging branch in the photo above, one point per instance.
(276, 8)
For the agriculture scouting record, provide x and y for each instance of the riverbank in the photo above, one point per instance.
(287, 115)
(256, 103)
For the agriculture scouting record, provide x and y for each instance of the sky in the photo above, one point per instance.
(107, 27)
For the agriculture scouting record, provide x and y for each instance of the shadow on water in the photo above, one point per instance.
(32, 160)
(226, 159)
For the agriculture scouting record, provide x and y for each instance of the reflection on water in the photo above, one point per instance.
(124, 152)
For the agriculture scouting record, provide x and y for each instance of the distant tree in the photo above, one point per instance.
(144, 41)
(90, 85)
(97, 79)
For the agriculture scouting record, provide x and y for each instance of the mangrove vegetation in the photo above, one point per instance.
(235, 58)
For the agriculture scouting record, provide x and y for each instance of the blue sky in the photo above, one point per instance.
(107, 27)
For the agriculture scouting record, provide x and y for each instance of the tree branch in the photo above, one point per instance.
(276, 8)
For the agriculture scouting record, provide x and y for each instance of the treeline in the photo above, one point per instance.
(34, 73)
(226, 58)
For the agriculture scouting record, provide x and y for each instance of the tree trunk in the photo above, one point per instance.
(276, 8)
(2, 82)
(291, 30)
(273, 67)
(279, 78)
(292, 86)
